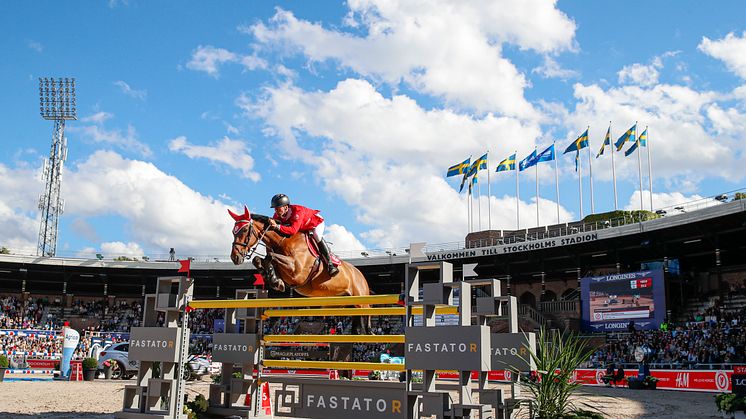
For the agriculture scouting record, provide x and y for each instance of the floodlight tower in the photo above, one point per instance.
(56, 103)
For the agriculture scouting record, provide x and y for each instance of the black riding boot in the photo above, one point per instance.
(326, 254)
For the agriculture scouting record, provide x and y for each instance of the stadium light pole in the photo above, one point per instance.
(56, 103)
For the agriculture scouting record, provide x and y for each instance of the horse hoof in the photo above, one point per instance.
(257, 262)
(280, 286)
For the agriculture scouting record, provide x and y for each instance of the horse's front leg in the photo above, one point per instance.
(266, 267)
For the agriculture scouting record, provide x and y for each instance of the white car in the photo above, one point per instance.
(122, 367)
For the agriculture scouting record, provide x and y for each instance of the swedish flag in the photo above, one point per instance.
(507, 164)
(607, 141)
(481, 162)
(628, 136)
(642, 141)
(459, 169)
(579, 143)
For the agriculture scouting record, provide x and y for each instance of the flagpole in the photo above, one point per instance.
(639, 165)
(537, 192)
(650, 169)
(471, 208)
(590, 169)
(479, 201)
(580, 182)
(489, 194)
(556, 180)
(517, 195)
(613, 167)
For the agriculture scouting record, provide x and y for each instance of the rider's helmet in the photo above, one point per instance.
(279, 200)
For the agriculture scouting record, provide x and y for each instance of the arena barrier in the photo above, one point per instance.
(457, 349)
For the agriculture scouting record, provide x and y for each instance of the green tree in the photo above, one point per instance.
(4, 251)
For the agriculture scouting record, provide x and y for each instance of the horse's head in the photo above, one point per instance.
(244, 235)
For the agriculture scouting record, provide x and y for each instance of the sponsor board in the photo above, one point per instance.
(330, 399)
(237, 348)
(462, 348)
(684, 380)
(153, 344)
(739, 380)
(512, 351)
(512, 248)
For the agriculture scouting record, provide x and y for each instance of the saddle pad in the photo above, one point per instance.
(312, 247)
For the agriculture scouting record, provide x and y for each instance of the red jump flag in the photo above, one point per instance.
(184, 266)
(259, 280)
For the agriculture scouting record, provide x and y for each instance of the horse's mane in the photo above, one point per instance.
(261, 218)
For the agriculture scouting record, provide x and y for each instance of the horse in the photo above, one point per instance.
(294, 264)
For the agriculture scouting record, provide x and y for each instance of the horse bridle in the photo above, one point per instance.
(248, 254)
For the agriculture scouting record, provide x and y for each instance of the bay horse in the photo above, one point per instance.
(294, 264)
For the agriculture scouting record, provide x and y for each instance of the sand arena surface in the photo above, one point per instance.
(102, 398)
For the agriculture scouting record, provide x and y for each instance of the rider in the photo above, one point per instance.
(290, 219)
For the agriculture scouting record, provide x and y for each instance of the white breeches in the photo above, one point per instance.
(318, 232)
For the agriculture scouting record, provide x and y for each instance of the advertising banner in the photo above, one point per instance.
(463, 348)
(237, 348)
(612, 302)
(153, 344)
(686, 380)
(69, 343)
(512, 351)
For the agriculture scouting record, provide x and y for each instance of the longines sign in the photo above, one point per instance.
(463, 348)
(153, 344)
(237, 348)
(513, 248)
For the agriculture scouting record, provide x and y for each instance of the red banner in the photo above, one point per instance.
(685, 380)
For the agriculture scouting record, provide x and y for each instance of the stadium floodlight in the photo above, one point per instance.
(57, 98)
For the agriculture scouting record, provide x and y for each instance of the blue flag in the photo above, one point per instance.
(607, 142)
(628, 136)
(507, 164)
(642, 141)
(459, 169)
(529, 161)
(481, 162)
(546, 155)
(580, 142)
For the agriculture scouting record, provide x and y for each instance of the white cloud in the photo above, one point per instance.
(232, 153)
(644, 75)
(692, 136)
(36, 46)
(208, 59)
(129, 91)
(552, 69)
(343, 241)
(731, 50)
(98, 118)
(158, 210)
(448, 50)
(381, 154)
(117, 248)
(669, 201)
(19, 217)
(125, 141)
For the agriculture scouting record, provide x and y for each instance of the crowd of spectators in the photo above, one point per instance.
(29, 314)
(710, 337)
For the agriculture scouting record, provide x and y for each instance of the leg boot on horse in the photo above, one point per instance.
(265, 266)
(326, 255)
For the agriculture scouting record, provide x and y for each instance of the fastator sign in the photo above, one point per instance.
(463, 348)
(237, 348)
(153, 344)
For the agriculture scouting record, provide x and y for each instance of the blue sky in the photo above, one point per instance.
(357, 109)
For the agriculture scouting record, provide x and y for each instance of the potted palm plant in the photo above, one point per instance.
(3, 366)
(90, 367)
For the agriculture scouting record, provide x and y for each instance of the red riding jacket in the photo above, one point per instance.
(299, 218)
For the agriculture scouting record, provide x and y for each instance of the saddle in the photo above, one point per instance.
(312, 247)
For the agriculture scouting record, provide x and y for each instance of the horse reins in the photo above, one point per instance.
(248, 254)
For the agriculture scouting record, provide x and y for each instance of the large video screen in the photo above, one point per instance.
(611, 302)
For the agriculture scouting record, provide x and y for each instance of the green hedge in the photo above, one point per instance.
(634, 216)
(3, 361)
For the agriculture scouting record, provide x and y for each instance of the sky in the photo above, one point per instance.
(358, 108)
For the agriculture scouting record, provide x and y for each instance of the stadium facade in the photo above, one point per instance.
(701, 251)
